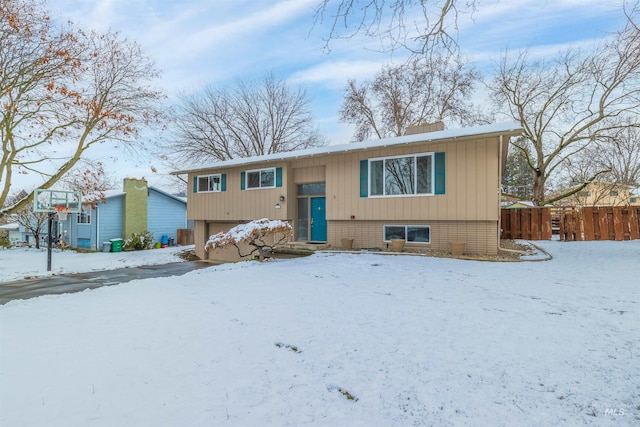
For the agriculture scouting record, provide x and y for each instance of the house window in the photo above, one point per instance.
(410, 233)
(403, 175)
(613, 193)
(263, 178)
(84, 217)
(319, 188)
(584, 193)
(209, 183)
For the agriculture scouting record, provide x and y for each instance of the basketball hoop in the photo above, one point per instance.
(62, 212)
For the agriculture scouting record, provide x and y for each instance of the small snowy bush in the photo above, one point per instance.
(138, 241)
(4, 239)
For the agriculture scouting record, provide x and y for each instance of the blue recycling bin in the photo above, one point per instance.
(164, 241)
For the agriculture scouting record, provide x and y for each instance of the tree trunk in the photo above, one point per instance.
(539, 181)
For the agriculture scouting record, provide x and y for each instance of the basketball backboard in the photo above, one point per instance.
(59, 201)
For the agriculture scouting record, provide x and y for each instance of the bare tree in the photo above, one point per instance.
(254, 118)
(616, 156)
(427, 89)
(620, 153)
(63, 91)
(566, 104)
(33, 222)
(417, 25)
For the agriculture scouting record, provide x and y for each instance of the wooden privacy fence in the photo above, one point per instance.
(588, 223)
(600, 223)
(526, 224)
(185, 236)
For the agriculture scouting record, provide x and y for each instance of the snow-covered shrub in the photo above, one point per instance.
(4, 239)
(138, 241)
(261, 234)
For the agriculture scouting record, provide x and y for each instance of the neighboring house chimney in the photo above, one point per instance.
(134, 215)
(424, 128)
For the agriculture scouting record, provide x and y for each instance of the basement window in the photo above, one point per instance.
(410, 233)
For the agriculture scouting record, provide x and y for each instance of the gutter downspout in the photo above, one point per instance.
(499, 192)
(98, 244)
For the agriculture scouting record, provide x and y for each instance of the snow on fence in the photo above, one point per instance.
(572, 223)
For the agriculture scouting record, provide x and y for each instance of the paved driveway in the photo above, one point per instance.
(62, 284)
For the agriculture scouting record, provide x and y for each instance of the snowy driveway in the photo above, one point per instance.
(78, 282)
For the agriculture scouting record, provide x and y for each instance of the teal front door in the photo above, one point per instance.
(318, 219)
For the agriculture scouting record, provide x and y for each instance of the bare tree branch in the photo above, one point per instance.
(415, 25)
(428, 89)
(252, 118)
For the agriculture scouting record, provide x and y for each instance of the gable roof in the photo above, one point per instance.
(171, 196)
(119, 193)
(509, 129)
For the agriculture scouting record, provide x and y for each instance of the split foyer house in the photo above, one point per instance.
(430, 188)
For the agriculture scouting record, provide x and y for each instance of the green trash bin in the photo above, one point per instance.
(116, 245)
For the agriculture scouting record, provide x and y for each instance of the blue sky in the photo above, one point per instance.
(197, 42)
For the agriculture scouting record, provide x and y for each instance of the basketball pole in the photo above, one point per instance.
(50, 239)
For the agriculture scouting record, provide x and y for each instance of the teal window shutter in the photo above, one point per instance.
(242, 180)
(364, 178)
(440, 175)
(195, 184)
(278, 177)
(223, 182)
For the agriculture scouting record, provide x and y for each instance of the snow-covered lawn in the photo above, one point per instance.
(337, 339)
(20, 263)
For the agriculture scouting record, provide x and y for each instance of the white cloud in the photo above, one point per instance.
(336, 73)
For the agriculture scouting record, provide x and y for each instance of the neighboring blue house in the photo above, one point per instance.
(16, 233)
(138, 208)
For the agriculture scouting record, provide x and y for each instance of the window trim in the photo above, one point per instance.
(209, 176)
(401, 156)
(84, 214)
(246, 178)
(406, 226)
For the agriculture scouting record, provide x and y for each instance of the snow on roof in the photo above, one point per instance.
(178, 198)
(113, 193)
(505, 128)
(117, 193)
(10, 226)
